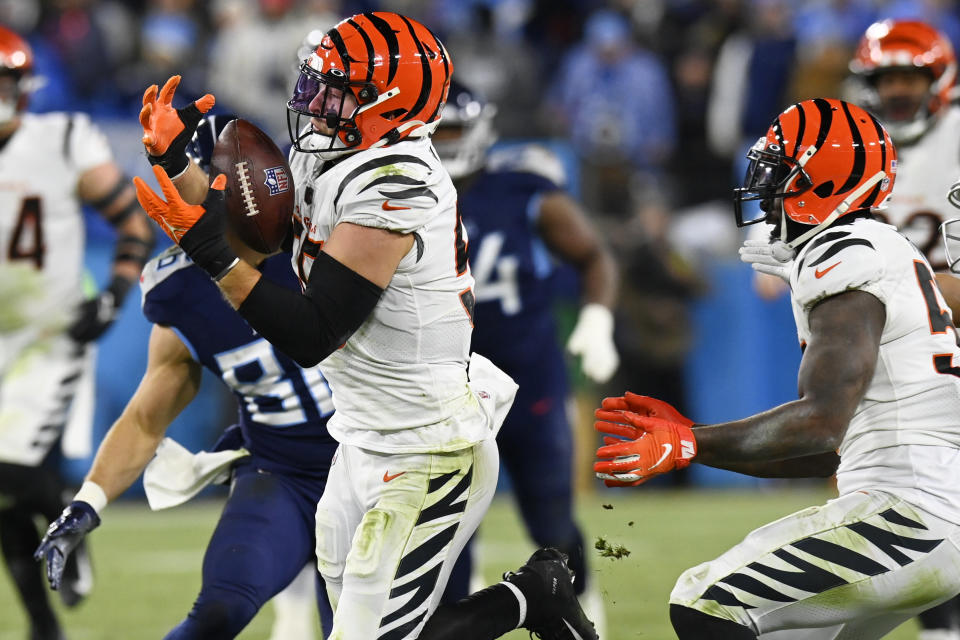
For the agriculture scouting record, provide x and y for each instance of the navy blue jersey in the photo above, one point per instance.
(514, 322)
(283, 408)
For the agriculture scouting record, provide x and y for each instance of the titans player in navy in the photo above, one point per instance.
(266, 532)
(520, 221)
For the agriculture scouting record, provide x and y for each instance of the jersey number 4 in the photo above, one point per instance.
(939, 318)
(26, 241)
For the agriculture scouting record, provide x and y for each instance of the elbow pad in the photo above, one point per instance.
(309, 327)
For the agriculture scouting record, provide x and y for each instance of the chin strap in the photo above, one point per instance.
(841, 209)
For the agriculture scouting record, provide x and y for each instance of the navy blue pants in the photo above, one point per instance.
(264, 538)
(536, 449)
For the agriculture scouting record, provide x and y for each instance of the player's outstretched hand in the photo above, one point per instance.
(94, 316)
(197, 228)
(592, 340)
(643, 406)
(167, 131)
(63, 536)
(653, 446)
(772, 258)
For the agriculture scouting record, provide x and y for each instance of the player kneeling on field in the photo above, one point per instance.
(879, 405)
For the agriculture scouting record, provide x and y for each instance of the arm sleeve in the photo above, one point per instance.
(309, 327)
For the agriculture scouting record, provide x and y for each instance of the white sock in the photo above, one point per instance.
(295, 608)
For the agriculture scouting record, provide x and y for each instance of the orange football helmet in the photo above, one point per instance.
(821, 159)
(16, 59)
(397, 72)
(907, 44)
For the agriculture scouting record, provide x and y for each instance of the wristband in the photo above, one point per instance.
(91, 493)
(220, 276)
(173, 166)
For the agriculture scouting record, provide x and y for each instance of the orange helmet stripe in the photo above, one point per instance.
(873, 199)
(859, 154)
(825, 119)
(369, 45)
(390, 37)
(341, 48)
(427, 83)
(446, 74)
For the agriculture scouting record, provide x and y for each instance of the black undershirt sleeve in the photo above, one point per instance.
(310, 326)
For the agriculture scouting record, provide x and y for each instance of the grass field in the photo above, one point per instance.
(148, 564)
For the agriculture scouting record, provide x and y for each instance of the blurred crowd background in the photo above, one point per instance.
(651, 105)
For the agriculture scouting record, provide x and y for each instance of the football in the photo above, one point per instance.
(259, 193)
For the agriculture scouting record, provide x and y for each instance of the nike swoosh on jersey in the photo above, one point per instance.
(833, 249)
(387, 477)
(668, 449)
(386, 206)
(820, 273)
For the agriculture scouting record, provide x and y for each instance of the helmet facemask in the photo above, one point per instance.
(771, 176)
(950, 230)
(327, 97)
(465, 133)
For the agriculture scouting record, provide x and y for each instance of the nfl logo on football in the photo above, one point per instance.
(277, 180)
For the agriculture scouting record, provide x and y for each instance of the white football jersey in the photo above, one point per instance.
(41, 221)
(400, 381)
(909, 418)
(926, 170)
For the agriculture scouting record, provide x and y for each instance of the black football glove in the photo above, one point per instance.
(168, 131)
(198, 228)
(95, 315)
(63, 536)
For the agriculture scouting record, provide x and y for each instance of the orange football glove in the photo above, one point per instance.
(644, 406)
(654, 446)
(197, 228)
(167, 131)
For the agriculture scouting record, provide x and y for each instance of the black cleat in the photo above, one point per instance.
(553, 612)
(77, 576)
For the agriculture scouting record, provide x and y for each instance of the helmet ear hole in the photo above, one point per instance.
(391, 115)
(824, 189)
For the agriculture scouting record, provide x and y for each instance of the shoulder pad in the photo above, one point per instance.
(838, 260)
(532, 158)
(161, 267)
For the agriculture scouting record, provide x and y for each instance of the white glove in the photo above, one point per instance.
(175, 475)
(592, 340)
(773, 258)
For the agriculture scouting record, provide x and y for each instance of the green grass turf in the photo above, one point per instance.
(148, 564)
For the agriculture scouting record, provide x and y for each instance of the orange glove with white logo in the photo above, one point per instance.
(168, 131)
(653, 446)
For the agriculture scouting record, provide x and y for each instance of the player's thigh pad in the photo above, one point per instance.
(422, 510)
(36, 393)
(338, 514)
(859, 560)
